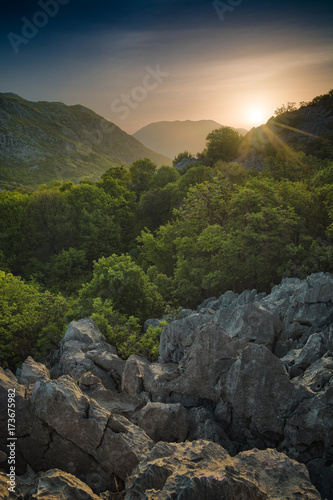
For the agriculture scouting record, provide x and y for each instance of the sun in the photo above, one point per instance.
(256, 116)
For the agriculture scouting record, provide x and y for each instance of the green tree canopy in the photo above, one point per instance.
(142, 172)
(222, 144)
(118, 279)
(27, 317)
(119, 173)
(164, 176)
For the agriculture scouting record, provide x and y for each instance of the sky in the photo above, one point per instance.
(137, 62)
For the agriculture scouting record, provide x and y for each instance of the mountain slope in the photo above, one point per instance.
(42, 141)
(171, 138)
(308, 129)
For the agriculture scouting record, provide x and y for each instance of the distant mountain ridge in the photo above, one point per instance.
(172, 137)
(42, 141)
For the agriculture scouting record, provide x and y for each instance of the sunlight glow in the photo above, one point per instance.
(256, 116)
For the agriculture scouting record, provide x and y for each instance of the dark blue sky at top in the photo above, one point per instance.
(65, 60)
(78, 15)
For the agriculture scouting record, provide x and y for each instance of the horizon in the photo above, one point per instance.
(233, 62)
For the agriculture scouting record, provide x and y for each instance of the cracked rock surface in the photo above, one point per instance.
(239, 405)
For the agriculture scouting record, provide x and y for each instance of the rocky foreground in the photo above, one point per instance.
(239, 406)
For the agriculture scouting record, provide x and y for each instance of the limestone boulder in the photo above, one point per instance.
(259, 389)
(85, 332)
(51, 485)
(154, 322)
(172, 336)
(83, 349)
(122, 446)
(32, 371)
(317, 345)
(309, 429)
(164, 422)
(58, 484)
(305, 306)
(64, 428)
(203, 425)
(113, 402)
(202, 470)
(63, 407)
(250, 322)
(210, 353)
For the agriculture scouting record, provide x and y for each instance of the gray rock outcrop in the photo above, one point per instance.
(202, 469)
(242, 373)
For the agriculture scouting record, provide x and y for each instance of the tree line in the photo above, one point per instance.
(143, 242)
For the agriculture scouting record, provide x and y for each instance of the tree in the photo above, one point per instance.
(68, 270)
(142, 172)
(164, 176)
(27, 316)
(222, 144)
(291, 106)
(49, 225)
(181, 156)
(97, 230)
(119, 280)
(155, 206)
(118, 173)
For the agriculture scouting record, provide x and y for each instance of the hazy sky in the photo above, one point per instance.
(135, 62)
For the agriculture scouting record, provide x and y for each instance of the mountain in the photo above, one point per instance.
(171, 138)
(308, 128)
(42, 141)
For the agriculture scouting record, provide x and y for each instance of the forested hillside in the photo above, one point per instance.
(142, 242)
(42, 141)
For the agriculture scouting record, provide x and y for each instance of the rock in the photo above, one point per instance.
(89, 380)
(258, 388)
(62, 405)
(321, 474)
(68, 430)
(83, 349)
(202, 425)
(84, 332)
(110, 363)
(32, 371)
(318, 377)
(223, 413)
(133, 376)
(4, 493)
(113, 402)
(172, 336)
(309, 429)
(122, 446)
(250, 322)
(209, 354)
(164, 422)
(186, 163)
(58, 484)
(219, 379)
(184, 313)
(154, 322)
(299, 360)
(53, 484)
(203, 470)
(305, 306)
